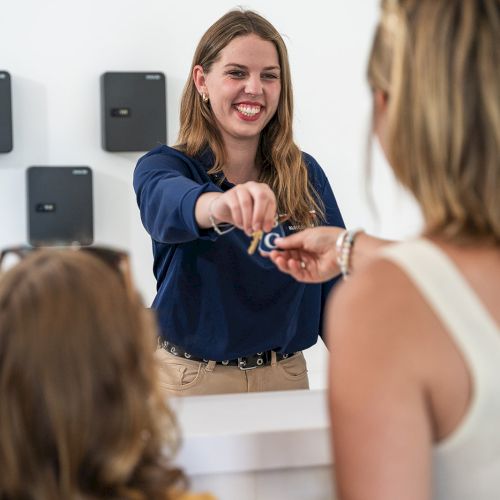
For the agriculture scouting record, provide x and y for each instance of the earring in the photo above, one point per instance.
(204, 97)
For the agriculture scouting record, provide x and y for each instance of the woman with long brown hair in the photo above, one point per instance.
(223, 308)
(81, 412)
(415, 374)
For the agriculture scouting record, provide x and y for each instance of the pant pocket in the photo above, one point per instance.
(178, 373)
(294, 368)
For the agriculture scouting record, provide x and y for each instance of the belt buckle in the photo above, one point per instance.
(251, 362)
(243, 364)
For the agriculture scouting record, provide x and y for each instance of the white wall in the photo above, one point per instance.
(55, 51)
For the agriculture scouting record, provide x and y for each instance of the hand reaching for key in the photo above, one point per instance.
(250, 206)
(310, 255)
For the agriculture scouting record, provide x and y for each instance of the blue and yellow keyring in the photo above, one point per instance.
(265, 242)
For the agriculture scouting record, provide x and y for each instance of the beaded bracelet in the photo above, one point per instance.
(222, 228)
(339, 244)
(344, 245)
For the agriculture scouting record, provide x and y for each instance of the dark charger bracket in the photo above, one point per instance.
(5, 113)
(133, 110)
(60, 206)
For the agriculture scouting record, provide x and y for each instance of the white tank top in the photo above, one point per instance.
(466, 465)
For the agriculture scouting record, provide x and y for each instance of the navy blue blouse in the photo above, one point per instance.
(213, 299)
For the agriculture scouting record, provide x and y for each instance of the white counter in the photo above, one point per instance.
(266, 438)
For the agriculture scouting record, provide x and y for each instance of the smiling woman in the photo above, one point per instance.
(243, 95)
(224, 310)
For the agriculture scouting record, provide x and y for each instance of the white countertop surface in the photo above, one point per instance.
(251, 432)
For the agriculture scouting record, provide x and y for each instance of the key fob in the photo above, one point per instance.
(267, 244)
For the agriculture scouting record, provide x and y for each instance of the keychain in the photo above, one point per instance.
(265, 241)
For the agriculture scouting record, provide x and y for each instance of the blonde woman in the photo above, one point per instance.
(415, 374)
(81, 413)
(231, 322)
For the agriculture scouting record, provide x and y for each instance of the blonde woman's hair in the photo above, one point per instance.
(81, 414)
(282, 165)
(439, 63)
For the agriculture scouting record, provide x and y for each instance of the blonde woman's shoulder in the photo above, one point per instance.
(378, 314)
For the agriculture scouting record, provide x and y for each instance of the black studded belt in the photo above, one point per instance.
(243, 363)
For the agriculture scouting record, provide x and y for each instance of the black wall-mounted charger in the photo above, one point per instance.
(60, 206)
(5, 113)
(133, 110)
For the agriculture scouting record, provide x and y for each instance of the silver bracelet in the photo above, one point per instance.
(222, 228)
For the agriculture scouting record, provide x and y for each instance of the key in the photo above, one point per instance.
(256, 237)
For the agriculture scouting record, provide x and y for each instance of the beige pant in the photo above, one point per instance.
(184, 377)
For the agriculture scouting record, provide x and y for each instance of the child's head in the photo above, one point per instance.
(80, 409)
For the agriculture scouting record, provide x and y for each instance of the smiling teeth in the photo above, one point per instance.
(248, 110)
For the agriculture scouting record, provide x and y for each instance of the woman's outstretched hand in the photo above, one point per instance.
(250, 206)
(310, 255)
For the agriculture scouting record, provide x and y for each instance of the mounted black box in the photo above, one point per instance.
(134, 111)
(60, 203)
(5, 113)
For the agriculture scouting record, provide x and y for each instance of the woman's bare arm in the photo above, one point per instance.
(381, 429)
